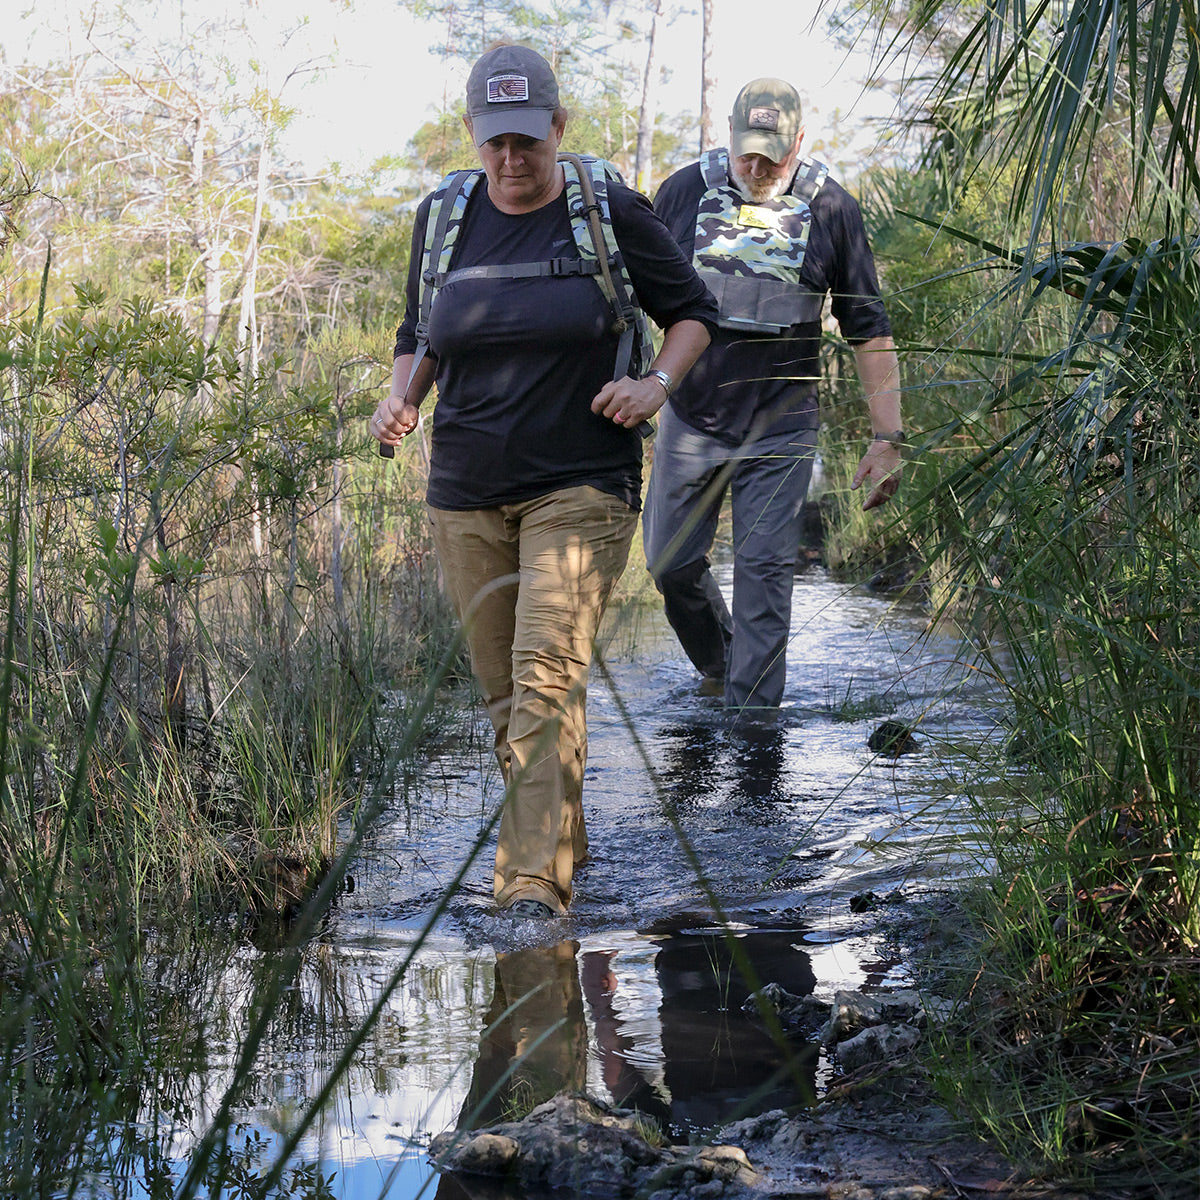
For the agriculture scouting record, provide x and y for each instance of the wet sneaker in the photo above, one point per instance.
(533, 910)
(711, 685)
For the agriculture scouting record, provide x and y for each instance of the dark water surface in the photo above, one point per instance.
(637, 997)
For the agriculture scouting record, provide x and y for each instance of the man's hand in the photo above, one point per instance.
(880, 467)
(879, 370)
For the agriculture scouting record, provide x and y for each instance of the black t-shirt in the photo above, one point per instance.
(520, 360)
(749, 380)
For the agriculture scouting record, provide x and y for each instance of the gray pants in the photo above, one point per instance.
(767, 480)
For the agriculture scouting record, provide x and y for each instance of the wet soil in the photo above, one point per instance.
(879, 1131)
(884, 1140)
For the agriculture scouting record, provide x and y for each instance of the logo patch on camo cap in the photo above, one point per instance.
(763, 118)
(508, 89)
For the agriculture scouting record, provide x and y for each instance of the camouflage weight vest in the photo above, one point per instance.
(749, 255)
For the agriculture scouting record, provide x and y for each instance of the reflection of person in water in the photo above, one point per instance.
(714, 1056)
(721, 1061)
(700, 757)
(617, 1052)
(534, 1040)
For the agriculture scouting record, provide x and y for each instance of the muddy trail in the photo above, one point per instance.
(798, 838)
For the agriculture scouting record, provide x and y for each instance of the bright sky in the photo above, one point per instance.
(379, 102)
(384, 81)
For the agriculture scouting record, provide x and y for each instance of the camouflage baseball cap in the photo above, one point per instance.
(511, 89)
(765, 119)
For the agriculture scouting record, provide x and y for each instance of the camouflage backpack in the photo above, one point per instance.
(749, 254)
(599, 255)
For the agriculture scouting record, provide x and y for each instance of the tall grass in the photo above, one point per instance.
(1059, 506)
(1085, 1046)
(196, 724)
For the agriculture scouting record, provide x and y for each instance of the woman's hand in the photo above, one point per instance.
(628, 401)
(394, 419)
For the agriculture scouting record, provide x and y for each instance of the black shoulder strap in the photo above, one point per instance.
(592, 225)
(529, 270)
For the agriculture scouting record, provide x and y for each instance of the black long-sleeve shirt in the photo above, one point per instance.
(761, 380)
(520, 360)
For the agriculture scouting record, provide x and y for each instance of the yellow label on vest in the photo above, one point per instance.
(752, 217)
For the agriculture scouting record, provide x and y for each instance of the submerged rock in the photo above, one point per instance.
(850, 1014)
(893, 738)
(802, 1015)
(583, 1145)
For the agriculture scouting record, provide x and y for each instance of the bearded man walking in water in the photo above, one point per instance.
(772, 236)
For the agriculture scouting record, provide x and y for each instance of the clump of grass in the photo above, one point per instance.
(849, 708)
(1082, 1040)
(1081, 1043)
(191, 727)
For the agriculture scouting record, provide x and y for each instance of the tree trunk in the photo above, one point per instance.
(649, 110)
(247, 332)
(175, 654)
(210, 250)
(336, 532)
(708, 83)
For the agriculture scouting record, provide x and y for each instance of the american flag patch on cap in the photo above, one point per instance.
(507, 89)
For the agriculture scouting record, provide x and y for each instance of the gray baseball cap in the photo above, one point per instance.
(511, 89)
(765, 119)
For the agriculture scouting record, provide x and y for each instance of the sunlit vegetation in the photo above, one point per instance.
(1046, 266)
(221, 620)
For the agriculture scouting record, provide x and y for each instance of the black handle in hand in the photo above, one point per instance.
(386, 451)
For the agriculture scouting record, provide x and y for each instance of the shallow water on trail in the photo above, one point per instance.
(804, 837)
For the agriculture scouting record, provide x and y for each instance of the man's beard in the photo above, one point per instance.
(760, 191)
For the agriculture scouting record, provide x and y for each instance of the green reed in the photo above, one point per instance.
(1043, 272)
(1074, 543)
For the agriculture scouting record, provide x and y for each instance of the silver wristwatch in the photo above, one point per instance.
(662, 377)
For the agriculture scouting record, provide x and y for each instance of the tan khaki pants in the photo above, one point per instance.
(535, 1041)
(530, 582)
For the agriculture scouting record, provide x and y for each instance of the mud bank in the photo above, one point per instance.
(879, 1135)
